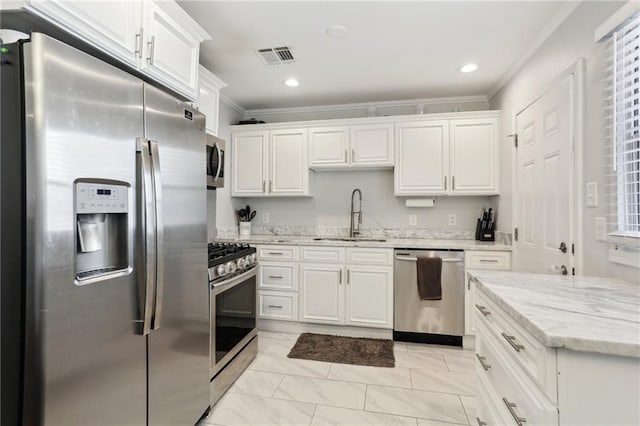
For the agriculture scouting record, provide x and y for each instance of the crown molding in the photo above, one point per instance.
(554, 23)
(227, 100)
(365, 105)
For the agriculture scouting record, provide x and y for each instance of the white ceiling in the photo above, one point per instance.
(392, 50)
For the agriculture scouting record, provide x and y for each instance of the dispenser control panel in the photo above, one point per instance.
(101, 198)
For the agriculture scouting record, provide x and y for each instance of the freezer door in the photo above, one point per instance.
(179, 340)
(85, 362)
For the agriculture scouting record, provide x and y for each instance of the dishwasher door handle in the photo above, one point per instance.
(414, 259)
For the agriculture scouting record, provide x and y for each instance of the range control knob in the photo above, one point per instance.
(242, 263)
(231, 267)
(248, 260)
(221, 270)
(254, 258)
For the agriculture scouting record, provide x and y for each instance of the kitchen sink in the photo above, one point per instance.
(376, 240)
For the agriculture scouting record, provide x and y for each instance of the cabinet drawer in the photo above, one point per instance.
(508, 388)
(275, 305)
(323, 254)
(370, 256)
(488, 260)
(278, 276)
(488, 411)
(277, 253)
(533, 357)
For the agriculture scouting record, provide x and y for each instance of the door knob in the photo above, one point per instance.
(559, 269)
(563, 247)
(564, 270)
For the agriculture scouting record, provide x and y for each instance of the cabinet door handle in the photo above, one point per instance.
(340, 276)
(275, 306)
(512, 342)
(453, 183)
(346, 158)
(152, 49)
(353, 155)
(348, 276)
(270, 185)
(480, 422)
(276, 253)
(139, 38)
(445, 183)
(481, 360)
(275, 277)
(483, 310)
(511, 406)
(264, 186)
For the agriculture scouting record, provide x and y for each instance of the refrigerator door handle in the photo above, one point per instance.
(149, 219)
(157, 184)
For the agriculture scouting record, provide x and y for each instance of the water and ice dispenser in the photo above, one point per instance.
(102, 227)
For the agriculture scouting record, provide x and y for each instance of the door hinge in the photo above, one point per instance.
(573, 249)
(515, 234)
(515, 139)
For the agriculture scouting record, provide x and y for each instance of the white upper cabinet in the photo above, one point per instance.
(249, 167)
(422, 157)
(209, 98)
(156, 37)
(329, 147)
(269, 164)
(372, 145)
(289, 172)
(115, 27)
(474, 156)
(356, 146)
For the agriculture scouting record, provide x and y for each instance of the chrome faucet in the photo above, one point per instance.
(355, 223)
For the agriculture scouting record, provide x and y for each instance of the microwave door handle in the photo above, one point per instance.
(149, 226)
(159, 263)
(220, 162)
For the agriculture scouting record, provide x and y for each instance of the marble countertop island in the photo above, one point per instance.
(417, 243)
(586, 314)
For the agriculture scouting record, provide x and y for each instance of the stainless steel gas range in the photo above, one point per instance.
(234, 338)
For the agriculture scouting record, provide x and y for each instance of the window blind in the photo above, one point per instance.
(626, 124)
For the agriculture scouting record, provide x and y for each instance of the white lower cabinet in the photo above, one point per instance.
(278, 282)
(369, 296)
(278, 305)
(495, 260)
(321, 293)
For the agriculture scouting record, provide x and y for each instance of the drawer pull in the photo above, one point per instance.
(512, 342)
(484, 365)
(480, 422)
(483, 310)
(489, 260)
(511, 407)
(275, 306)
(275, 277)
(276, 253)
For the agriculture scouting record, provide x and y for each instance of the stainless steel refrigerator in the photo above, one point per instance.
(105, 307)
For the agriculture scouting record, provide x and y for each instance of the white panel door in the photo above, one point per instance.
(372, 145)
(328, 147)
(249, 153)
(474, 156)
(422, 158)
(171, 52)
(321, 293)
(369, 296)
(113, 26)
(544, 182)
(289, 173)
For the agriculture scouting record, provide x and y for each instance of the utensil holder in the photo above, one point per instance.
(245, 229)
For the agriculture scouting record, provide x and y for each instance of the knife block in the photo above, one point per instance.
(486, 232)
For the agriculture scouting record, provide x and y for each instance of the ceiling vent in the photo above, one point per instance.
(277, 55)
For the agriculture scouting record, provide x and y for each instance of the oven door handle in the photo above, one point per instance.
(226, 285)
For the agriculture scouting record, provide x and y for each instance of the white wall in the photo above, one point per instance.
(572, 40)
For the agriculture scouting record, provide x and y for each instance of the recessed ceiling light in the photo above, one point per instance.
(336, 31)
(469, 68)
(292, 82)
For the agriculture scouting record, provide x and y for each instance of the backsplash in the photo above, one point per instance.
(343, 231)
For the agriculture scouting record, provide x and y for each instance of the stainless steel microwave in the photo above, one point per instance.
(215, 162)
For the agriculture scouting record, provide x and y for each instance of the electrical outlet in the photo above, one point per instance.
(601, 229)
(452, 220)
(413, 220)
(265, 217)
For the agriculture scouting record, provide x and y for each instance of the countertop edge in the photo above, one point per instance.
(579, 344)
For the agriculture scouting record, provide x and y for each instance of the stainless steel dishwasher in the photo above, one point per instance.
(429, 321)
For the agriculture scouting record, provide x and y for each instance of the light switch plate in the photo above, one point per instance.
(591, 194)
(413, 220)
(452, 220)
(265, 217)
(601, 229)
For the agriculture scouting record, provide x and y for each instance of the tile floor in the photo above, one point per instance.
(430, 386)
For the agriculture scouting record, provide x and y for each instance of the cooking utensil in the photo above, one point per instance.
(252, 216)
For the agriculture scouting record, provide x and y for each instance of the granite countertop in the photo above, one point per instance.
(418, 243)
(587, 314)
